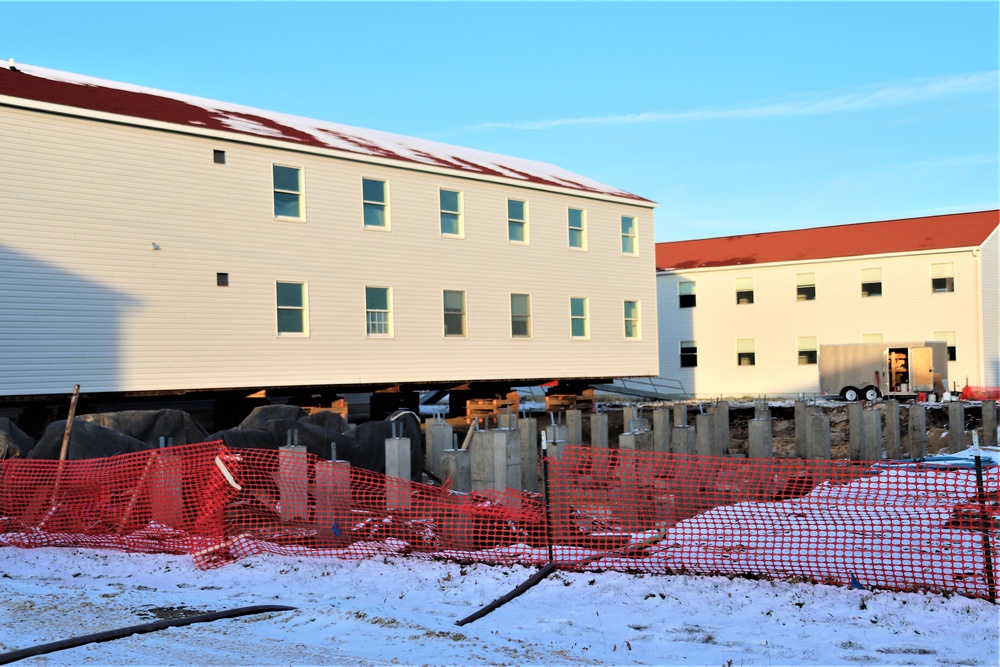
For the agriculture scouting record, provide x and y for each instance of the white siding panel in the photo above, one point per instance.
(907, 310)
(87, 299)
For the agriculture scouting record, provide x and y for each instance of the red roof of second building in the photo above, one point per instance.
(959, 230)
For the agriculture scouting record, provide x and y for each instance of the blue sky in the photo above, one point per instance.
(735, 117)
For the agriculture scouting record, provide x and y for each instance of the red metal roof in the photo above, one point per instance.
(958, 230)
(73, 90)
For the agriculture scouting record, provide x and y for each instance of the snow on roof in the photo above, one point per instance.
(939, 232)
(74, 90)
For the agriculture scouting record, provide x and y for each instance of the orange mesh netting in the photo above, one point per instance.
(896, 525)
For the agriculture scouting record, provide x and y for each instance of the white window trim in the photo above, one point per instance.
(465, 315)
(634, 236)
(305, 310)
(460, 212)
(389, 313)
(388, 216)
(586, 318)
(525, 222)
(637, 320)
(583, 230)
(301, 193)
(510, 301)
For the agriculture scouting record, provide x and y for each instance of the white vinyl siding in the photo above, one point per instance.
(96, 305)
(838, 316)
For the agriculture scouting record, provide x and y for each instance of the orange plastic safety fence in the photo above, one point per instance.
(895, 525)
(970, 393)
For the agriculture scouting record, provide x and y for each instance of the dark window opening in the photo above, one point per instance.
(744, 297)
(805, 293)
(871, 289)
(943, 284)
(746, 358)
(222, 279)
(687, 300)
(951, 353)
(807, 357)
(689, 356)
(219, 157)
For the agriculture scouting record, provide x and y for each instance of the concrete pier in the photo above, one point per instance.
(989, 438)
(801, 428)
(893, 437)
(397, 465)
(333, 496)
(761, 437)
(680, 414)
(574, 428)
(956, 426)
(916, 431)
(293, 483)
(661, 430)
(871, 441)
(720, 413)
(456, 466)
(856, 431)
(496, 460)
(636, 441)
(705, 436)
(440, 436)
(683, 439)
(818, 437)
(599, 430)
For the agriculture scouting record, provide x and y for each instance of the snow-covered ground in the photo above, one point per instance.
(402, 611)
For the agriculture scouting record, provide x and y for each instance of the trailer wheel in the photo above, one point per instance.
(850, 394)
(871, 393)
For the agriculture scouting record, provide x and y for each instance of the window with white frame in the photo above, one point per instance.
(745, 354)
(630, 236)
(378, 311)
(375, 194)
(871, 338)
(943, 277)
(517, 221)
(288, 202)
(520, 315)
(805, 286)
(689, 354)
(807, 350)
(633, 324)
(685, 294)
(744, 291)
(450, 202)
(454, 313)
(948, 337)
(291, 305)
(871, 282)
(579, 317)
(576, 222)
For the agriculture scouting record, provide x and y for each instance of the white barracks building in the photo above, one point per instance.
(745, 315)
(152, 242)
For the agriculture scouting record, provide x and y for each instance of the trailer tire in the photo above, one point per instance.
(850, 394)
(871, 393)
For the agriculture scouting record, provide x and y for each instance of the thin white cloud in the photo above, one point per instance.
(887, 96)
